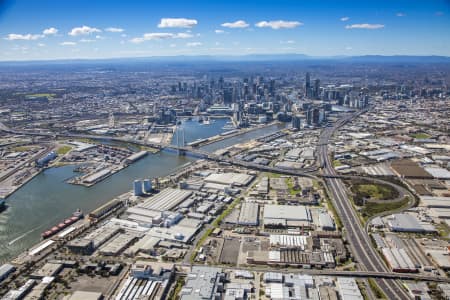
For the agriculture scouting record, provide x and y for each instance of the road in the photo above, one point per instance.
(330, 272)
(366, 255)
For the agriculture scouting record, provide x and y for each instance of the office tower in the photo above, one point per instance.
(296, 122)
(316, 88)
(307, 84)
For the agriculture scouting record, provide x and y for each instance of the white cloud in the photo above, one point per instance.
(287, 42)
(348, 48)
(24, 37)
(280, 24)
(99, 37)
(68, 44)
(41, 44)
(83, 30)
(114, 29)
(50, 31)
(345, 19)
(182, 35)
(160, 36)
(172, 45)
(219, 31)
(400, 14)
(364, 26)
(177, 23)
(236, 24)
(194, 44)
(87, 41)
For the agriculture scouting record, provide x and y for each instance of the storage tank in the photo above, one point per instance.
(138, 188)
(147, 186)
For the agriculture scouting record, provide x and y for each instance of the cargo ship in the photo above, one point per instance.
(77, 215)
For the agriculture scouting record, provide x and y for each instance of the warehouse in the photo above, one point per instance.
(135, 157)
(435, 202)
(263, 186)
(86, 245)
(249, 214)
(175, 233)
(237, 179)
(407, 168)
(146, 245)
(398, 260)
(348, 289)
(97, 176)
(202, 283)
(5, 270)
(287, 215)
(325, 221)
(166, 199)
(119, 243)
(289, 241)
(106, 209)
(438, 173)
(405, 222)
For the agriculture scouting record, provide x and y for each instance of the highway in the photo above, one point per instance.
(366, 255)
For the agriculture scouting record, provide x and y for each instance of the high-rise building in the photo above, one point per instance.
(307, 84)
(316, 89)
(296, 122)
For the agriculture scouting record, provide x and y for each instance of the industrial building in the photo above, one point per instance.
(325, 221)
(5, 270)
(177, 233)
(289, 241)
(292, 257)
(166, 199)
(97, 176)
(106, 209)
(203, 283)
(348, 289)
(249, 215)
(118, 244)
(135, 157)
(398, 260)
(88, 244)
(145, 245)
(147, 280)
(405, 222)
(287, 216)
(235, 179)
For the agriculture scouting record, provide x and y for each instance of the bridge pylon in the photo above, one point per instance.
(181, 142)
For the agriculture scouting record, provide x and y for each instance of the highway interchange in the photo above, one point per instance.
(367, 257)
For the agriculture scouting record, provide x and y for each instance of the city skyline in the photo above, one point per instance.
(98, 30)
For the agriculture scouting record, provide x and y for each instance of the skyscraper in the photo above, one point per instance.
(307, 84)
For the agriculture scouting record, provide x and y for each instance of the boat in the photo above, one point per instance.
(2, 205)
(77, 215)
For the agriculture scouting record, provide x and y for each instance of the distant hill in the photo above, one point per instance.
(242, 58)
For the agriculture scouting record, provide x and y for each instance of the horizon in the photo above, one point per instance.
(254, 57)
(102, 30)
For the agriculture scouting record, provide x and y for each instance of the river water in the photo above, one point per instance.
(47, 199)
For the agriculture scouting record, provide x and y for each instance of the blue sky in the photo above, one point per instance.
(59, 29)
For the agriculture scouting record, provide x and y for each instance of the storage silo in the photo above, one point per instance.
(147, 185)
(138, 188)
